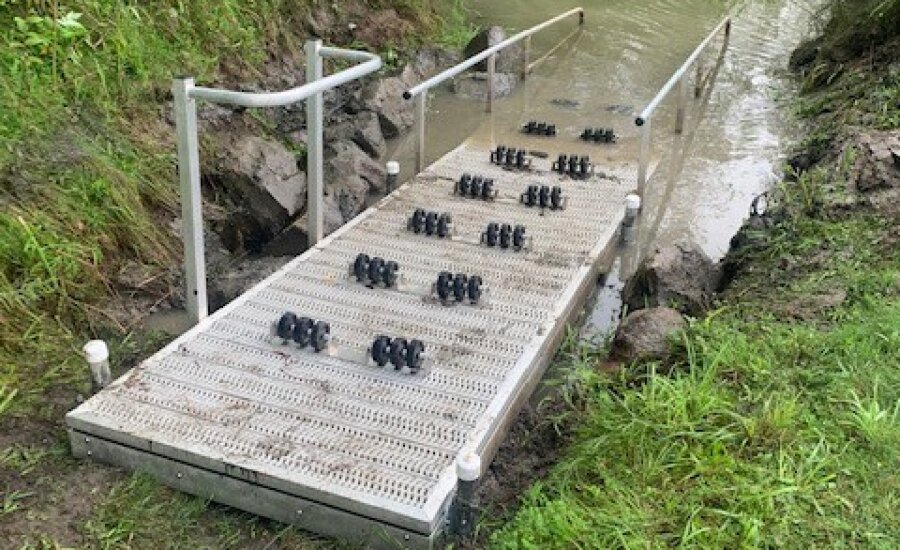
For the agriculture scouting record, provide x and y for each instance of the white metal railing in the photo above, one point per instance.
(186, 96)
(680, 78)
(420, 91)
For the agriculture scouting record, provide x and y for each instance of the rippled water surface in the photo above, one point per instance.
(608, 70)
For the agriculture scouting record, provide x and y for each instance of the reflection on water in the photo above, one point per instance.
(707, 178)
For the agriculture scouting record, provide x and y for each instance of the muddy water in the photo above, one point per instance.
(607, 71)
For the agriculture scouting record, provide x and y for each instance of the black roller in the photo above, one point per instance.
(573, 165)
(551, 130)
(302, 330)
(389, 274)
(286, 325)
(431, 223)
(417, 221)
(462, 186)
(443, 225)
(530, 197)
(487, 189)
(444, 286)
(491, 234)
(415, 354)
(380, 348)
(505, 235)
(459, 287)
(556, 197)
(520, 159)
(397, 352)
(587, 134)
(544, 196)
(511, 156)
(476, 187)
(320, 334)
(519, 237)
(474, 288)
(361, 267)
(375, 266)
(584, 166)
(560, 164)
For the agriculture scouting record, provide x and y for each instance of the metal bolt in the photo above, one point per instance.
(299, 512)
(406, 537)
(87, 440)
(179, 475)
(89, 453)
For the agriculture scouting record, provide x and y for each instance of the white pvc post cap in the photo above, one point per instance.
(96, 351)
(633, 202)
(393, 167)
(468, 466)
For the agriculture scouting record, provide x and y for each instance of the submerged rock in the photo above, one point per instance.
(678, 275)
(385, 97)
(509, 59)
(647, 334)
(475, 85)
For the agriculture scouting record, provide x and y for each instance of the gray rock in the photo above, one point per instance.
(385, 97)
(678, 275)
(345, 160)
(876, 166)
(646, 334)
(239, 276)
(431, 60)
(509, 60)
(474, 85)
(262, 176)
(294, 240)
(368, 135)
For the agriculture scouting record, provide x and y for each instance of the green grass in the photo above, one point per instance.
(778, 423)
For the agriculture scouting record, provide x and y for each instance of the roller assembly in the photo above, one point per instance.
(399, 352)
(457, 289)
(303, 331)
(574, 166)
(430, 223)
(510, 157)
(505, 236)
(539, 128)
(599, 135)
(475, 187)
(544, 196)
(375, 271)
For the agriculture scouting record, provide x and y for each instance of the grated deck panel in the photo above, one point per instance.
(271, 422)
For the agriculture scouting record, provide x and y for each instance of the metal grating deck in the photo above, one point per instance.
(338, 446)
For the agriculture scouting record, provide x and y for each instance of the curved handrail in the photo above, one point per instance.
(475, 59)
(667, 88)
(371, 63)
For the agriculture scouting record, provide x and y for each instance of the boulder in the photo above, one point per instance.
(678, 275)
(345, 159)
(239, 276)
(294, 240)
(385, 97)
(368, 135)
(877, 163)
(646, 334)
(474, 85)
(429, 61)
(262, 179)
(509, 60)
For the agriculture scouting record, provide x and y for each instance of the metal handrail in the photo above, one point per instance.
(186, 96)
(420, 91)
(680, 77)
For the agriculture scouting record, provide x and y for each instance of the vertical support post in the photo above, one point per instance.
(644, 158)
(421, 112)
(698, 83)
(526, 57)
(491, 73)
(682, 103)
(191, 198)
(315, 142)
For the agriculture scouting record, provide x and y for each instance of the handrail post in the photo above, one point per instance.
(682, 103)
(644, 157)
(191, 198)
(421, 112)
(526, 57)
(491, 73)
(314, 146)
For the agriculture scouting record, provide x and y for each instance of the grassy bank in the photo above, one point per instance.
(778, 426)
(88, 191)
(88, 201)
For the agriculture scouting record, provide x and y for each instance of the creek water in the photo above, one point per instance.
(705, 178)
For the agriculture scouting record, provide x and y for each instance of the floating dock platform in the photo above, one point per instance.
(329, 441)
